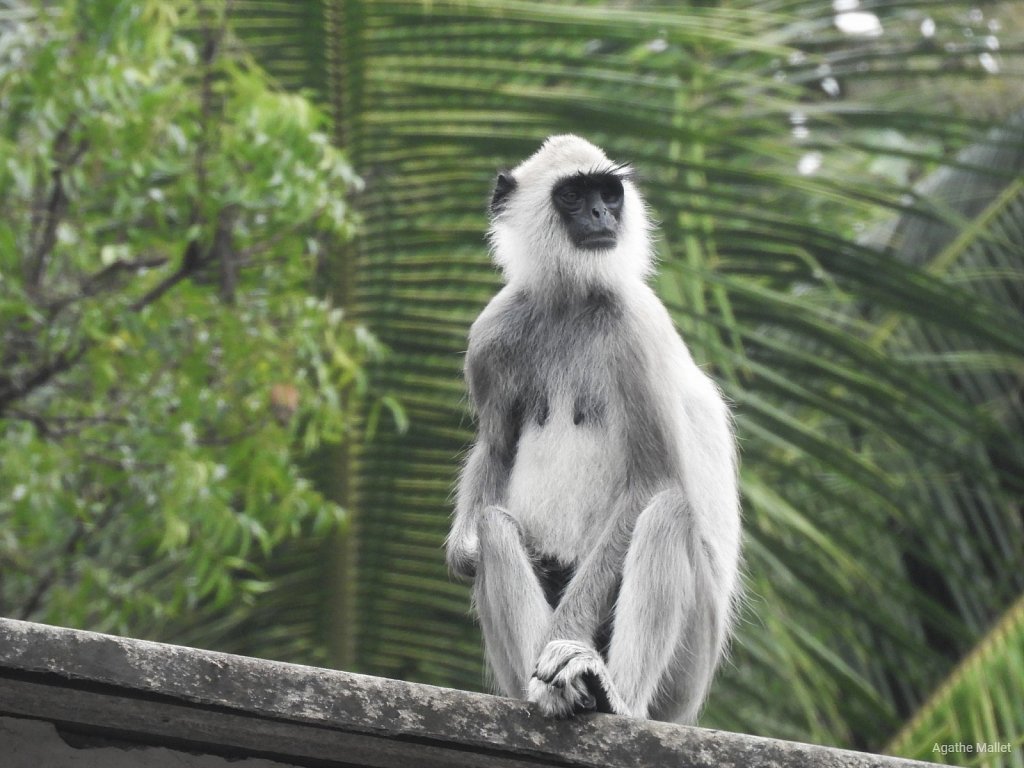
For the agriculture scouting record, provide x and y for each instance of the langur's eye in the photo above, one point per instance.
(611, 194)
(570, 195)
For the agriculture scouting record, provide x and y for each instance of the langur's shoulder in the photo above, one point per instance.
(647, 314)
(508, 309)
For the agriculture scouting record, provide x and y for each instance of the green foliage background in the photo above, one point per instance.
(842, 230)
(163, 214)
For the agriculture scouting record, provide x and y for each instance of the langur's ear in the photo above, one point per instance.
(503, 187)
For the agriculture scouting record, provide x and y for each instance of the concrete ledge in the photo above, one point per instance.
(69, 697)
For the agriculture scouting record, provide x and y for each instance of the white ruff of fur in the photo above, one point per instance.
(532, 247)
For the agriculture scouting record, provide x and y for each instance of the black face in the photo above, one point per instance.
(591, 207)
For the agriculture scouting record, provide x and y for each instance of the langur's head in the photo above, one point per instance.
(568, 216)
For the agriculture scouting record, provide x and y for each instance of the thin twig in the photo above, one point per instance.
(191, 262)
(101, 281)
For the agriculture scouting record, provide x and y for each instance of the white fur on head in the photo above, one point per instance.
(529, 240)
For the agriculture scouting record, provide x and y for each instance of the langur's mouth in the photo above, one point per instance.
(599, 241)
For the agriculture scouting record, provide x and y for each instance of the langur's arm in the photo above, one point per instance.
(486, 472)
(483, 477)
(590, 593)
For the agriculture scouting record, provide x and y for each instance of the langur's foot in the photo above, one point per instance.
(570, 678)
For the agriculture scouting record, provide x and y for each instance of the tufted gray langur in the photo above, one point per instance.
(597, 512)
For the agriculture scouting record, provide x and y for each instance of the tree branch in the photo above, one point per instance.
(11, 390)
(213, 36)
(101, 281)
(59, 427)
(191, 262)
(223, 252)
(46, 221)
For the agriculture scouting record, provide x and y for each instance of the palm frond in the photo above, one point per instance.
(980, 703)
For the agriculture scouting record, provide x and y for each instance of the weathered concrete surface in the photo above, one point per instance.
(121, 692)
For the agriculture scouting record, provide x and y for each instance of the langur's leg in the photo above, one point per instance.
(670, 616)
(667, 634)
(510, 602)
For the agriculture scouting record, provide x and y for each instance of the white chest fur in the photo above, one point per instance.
(564, 481)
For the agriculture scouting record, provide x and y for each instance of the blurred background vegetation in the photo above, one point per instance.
(241, 245)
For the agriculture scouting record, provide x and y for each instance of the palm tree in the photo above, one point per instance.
(868, 328)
